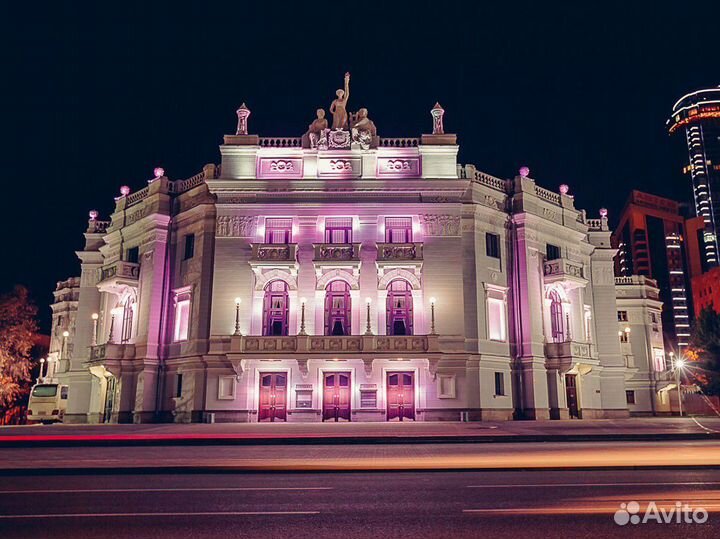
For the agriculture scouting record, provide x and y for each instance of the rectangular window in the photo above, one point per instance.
(398, 230)
(338, 230)
(622, 316)
(492, 245)
(497, 319)
(189, 246)
(624, 336)
(368, 396)
(178, 385)
(499, 383)
(226, 387)
(630, 396)
(553, 252)
(182, 315)
(278, 231)
(659, 364)
(132, 255)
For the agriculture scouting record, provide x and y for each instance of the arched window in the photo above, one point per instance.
(127, 319)
(399, 308)
(275, 309)
(337, 308)
(557, 325)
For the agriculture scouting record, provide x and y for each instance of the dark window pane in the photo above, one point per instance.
(280, 380)
(47, 390)
(407, 380)
(393, 380)
(330, 380)
(267, 380)
(344, 380)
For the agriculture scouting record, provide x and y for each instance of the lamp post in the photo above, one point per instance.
(238, 301)
(42, 367)
(113, 312)
(679, 364)
(302, 316)
(368, 329)
(63, 352)
(94, 317)
(432, 316)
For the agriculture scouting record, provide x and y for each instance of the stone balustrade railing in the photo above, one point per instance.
(490, 181)
(98, 227)
(122, 269)
(136, 197)
(548, 195)
(112, 351)
(321, 344)
(388, 252)
(635, 280)
(281, 142)
(336, 252)
(72, 282)
(273, 252)
(569, 349)
(597, 225)
(181, 186)
(399, 142)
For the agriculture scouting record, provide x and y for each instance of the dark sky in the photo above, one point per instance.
(95, 97)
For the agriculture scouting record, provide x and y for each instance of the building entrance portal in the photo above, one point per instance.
(273, 396)
(571, 392)
(336, 396)
(400, 396)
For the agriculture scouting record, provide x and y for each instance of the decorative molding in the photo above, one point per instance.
(337, 273)
(262, 278)
(440, 225)
(399, 273)
(235, 226)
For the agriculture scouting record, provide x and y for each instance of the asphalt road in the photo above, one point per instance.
(393, 505)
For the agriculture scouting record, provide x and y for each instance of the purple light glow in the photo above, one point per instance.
(564, 188)
(524, 172)
(125, 190)
(159, 172)
(93, 215)
(603, 213)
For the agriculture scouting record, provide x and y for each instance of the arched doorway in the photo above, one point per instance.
(275, 309)
(337, 308)
(557, 324)
(399, 308)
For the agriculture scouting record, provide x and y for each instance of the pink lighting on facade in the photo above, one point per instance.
(564, 188)
(524, 172)
(159, 172)
(125, 190)
(93, 215)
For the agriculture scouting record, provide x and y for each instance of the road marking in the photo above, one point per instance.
(184, 514)
(181, 489)
(545, 485)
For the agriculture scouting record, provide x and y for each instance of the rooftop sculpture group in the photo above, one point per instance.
(354, 130)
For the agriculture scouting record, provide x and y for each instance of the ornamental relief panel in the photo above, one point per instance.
(440, 225)
(603, 276)
(136, 216)
(235, 226)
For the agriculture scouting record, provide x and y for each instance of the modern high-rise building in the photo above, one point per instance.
(652, 240)
(698, 114)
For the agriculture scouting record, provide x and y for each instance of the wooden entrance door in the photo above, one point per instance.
(336, 396)
(273, 396)
(571, 392)
(400, 396)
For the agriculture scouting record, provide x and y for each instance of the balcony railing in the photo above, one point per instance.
(120, 269)
(391, 252)
(321, 344)
(563, 355)
(336, 252)
(561, 268)
(274, 252)
(110, 351)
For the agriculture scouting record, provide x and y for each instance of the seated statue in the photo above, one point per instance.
(315, 130)
(363, 129)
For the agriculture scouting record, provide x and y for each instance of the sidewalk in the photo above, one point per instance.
(634, 429)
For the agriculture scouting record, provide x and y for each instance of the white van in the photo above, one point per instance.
(47, 403)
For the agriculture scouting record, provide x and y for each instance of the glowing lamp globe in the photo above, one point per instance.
(125, 190)
(66, 334)
(432, 301)
(564, 188)
(603, 212)
(93, 215)
(524, 172)
(238, 301)
(680, 363)
(95, 316)
(159, 172)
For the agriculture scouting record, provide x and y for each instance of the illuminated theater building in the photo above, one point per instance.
(341, 276)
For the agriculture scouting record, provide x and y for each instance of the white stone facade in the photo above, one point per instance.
(390, 283)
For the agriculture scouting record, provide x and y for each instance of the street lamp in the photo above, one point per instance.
(679, 364)
(42, 366)
(94, 317)
(238, 301)
(114, 312)
(368, 329)
(302, 316)
(432, 316)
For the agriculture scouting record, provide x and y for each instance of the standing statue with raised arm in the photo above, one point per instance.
(338, 108)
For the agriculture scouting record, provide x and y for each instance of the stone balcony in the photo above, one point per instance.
(272, 253)
(564, 270)
(563, 355)
(403, 255)
(118, 275)
(336, 252)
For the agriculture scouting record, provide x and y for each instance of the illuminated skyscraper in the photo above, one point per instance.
(699, 114)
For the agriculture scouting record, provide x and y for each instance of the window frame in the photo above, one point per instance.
(233, 386)
(451, 392)
(492, 248)
(499, 376)
(189, 246)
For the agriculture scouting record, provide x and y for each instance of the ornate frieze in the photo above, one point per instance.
(287, 167)
(398, 167)
(339, 167)
(440, 225)
(235, 226)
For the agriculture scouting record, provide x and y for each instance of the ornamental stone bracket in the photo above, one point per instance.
(303, 367)
(433, 367)
(238, 365)
(368, 364)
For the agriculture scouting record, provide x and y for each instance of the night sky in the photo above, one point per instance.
(94, 99)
